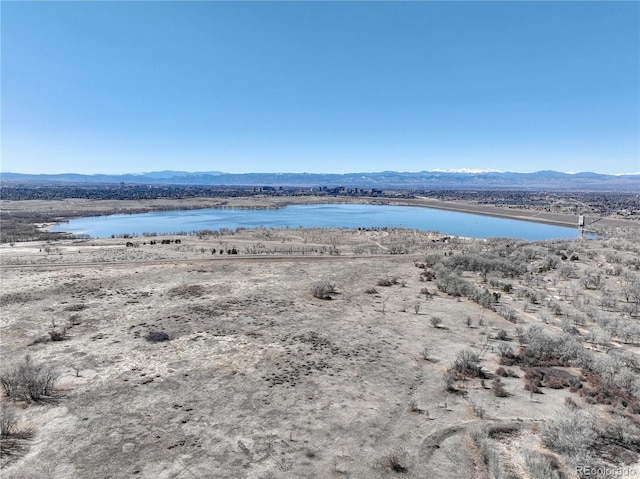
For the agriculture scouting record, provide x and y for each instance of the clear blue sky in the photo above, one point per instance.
(119, 87)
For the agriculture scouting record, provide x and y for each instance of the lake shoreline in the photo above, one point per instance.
(350, 215)
(58, 212)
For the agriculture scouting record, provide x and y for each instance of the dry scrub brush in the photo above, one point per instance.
(467, 364)
(323, 290)
(490, 455)
(8, 422)
(28, 382)
(387, 281)
(157, 336)
(542, 465)
(393, 462)
(593, 439)
(11, 436)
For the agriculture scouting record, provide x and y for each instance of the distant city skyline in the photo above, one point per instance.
(320, 87)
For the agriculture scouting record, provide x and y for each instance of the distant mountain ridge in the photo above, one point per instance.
(437, 179)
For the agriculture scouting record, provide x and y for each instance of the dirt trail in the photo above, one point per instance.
(236, 259)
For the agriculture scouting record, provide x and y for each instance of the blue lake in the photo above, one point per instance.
(312, 216)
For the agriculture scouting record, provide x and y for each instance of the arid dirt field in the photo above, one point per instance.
(175, 360)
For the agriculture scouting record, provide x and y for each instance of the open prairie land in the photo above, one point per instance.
(320, 353)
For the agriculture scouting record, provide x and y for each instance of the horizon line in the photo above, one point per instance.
(221, 173)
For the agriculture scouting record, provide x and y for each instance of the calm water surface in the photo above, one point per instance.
(310, 216)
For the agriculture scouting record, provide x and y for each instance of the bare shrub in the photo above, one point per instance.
(497, 387)
(490, 455)
(387, 281)
(532, 387)
(502, 335)
(603, 390)
(543, 349)
(427, 275)
(622, 431)
(543, 466)
(157, 336)
(505, 350)
(467, 364)
(555, 383)
(533, 380)
(501, 372)
(371, 291)
(425, 353)
(503, 431)
(477, 408)
(28, 382)
(449, 381)
(506, 373)
(58, 334)
(591, 280)
(435, 321)
(323, 290)
(570, 403)
(8, 422)
(508, 313)
(12, 437)
(558, 378)
(392, 461)
(571, 434)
